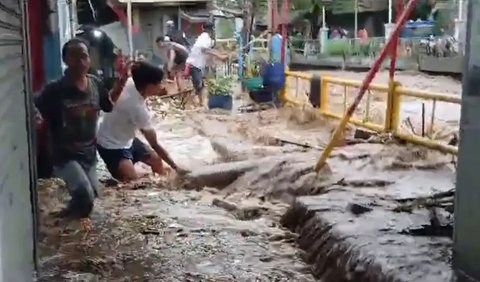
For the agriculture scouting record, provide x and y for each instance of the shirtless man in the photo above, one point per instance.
(175, 56)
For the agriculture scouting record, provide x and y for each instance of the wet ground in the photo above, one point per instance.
(157, 231)
(223, 224)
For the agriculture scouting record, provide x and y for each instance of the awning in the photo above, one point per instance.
(200, 16)
(197, 17)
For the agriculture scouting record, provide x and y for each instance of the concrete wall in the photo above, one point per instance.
(152, 22)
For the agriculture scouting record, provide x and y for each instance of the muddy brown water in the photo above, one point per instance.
(168, 230)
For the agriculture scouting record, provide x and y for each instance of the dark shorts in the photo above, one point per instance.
(139, 152)
(197, 78)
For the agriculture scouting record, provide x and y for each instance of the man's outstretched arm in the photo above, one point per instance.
(151, 137)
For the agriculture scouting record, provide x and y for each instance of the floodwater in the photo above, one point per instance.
(252, 167)
(446, 115)
(155, 231)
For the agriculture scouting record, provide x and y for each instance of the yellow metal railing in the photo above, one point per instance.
(391, 105)
(373, 90)
(299, 79)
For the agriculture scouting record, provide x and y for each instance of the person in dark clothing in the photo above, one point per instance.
(70, 108)
(176, 35)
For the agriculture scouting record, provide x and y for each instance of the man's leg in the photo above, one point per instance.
(179, 70)
(93, 178)
(142, 153)
(197, 80)
(119, 163)
(79, 187)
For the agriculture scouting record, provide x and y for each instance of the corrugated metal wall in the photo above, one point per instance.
(16, 220)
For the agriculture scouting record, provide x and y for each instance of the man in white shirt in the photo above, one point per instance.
(116, 141)
(197, 59)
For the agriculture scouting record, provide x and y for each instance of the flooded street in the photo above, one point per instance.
(253, 209)
(157, 231)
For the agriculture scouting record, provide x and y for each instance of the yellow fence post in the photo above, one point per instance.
(395, 110)
(283, 93)
(392, 112)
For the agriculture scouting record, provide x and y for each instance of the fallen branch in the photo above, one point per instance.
(442, 200)
(449, 193)
(306, 146)
(177, 94)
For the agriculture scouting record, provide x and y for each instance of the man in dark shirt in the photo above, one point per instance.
(176, 35)
(70, 108)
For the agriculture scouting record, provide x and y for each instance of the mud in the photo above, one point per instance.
(160, 235)
(343, 246)
(223, 222)
(155, 230)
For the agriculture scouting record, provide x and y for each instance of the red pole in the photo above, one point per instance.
(284, 28)
(394, 48)
(366, 82)
(383, 53)
(274, 15)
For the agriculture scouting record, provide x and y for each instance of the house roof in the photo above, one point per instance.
(163, 2)
(200, 16)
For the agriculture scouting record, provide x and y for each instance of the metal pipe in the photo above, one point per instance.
(284, 28)
(389, 124)
(460, 10)
(179, 18)
(324, 17)
(390, 12)
(274, 15)
(129, 27)
(368, 79)
(423, 119)
(355, 33)
(32, 139)
(432, 119)
(72, 11)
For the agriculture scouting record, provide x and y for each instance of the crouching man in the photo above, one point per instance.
(70, 109)
(117, 144)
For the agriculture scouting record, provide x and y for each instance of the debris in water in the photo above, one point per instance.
(444, 200)
(358, 209)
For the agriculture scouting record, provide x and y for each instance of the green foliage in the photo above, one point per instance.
(297, 41)
(348, 47)
(220, 86)
(338, 47)
(225, 28)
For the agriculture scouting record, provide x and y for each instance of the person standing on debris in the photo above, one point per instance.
(117, 144)
(175, 35)
(197, 58)
(70, 108)
(175, 56)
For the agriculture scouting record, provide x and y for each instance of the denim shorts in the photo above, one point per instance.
(138, 152)
(197, 77)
